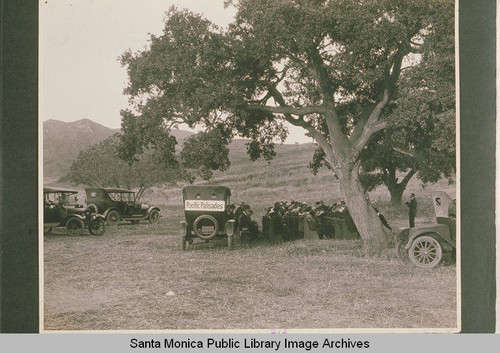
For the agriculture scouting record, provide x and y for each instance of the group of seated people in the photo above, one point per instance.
(243, 220)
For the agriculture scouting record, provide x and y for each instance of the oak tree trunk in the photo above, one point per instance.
(367, 222)
(396, 190)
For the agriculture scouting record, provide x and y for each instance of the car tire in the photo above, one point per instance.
(153, 216)
(113, 218)
(93, 208)
(425, 252)
(74, 226)
(205, 217)
(401, 251)
(97, 227)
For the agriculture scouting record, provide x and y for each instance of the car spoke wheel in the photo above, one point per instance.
(97, 227)
(113, 218)
(425, 252)
(401, 251)
(74, 226)
(153, 216)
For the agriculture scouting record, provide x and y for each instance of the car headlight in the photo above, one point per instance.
(182, 228)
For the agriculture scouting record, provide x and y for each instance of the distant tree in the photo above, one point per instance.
(100, 165)
(206, 152)
(332, 67)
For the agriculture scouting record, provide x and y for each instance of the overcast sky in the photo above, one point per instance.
(80, 42)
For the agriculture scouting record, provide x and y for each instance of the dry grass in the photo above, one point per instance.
(122, 280)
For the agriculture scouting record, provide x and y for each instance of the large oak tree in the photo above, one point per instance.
(420, 138)
(331, 67)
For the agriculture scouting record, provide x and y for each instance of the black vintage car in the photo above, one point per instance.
(207, 217)
(120, 205)
(61, 209)
(425, 245)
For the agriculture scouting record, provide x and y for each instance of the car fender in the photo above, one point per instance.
(75, 215)
(100, 216)
(403, 234)
(105, 214)
(152, 208)
(439, 231)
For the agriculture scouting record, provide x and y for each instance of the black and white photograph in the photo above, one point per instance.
(268, 166)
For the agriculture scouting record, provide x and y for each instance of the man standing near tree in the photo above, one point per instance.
(412, 211)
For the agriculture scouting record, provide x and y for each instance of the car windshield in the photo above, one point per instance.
(122, 196)
(60, 198)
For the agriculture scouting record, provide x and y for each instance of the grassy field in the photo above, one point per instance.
(136, 277)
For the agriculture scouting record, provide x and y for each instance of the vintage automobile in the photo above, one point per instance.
(426, 245)
(61, 209)
(207, 216)
(120, 205)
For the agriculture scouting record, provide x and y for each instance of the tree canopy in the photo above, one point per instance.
(206, 152)
(100, 165)
(332, 67)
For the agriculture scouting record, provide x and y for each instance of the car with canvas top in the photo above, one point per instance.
(117, 204)
(61, 209)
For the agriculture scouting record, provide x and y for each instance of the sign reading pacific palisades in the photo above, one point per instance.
(199, 205)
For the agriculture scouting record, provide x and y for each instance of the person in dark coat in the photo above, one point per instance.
(382, 219)
(246, 221)
(412, 210)
(230, 211)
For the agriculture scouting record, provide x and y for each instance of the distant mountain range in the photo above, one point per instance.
(63, 141)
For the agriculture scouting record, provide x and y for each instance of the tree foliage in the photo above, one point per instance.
(100, 165)
(206, 152)
(420, 137)
(332, 67)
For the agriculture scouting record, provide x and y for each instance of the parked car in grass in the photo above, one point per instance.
(207, 216)
(120, 205)
(61, 209)
(425, 245)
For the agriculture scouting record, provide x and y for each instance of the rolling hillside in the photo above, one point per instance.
(258, 183)
(62, 141)
(249, 180)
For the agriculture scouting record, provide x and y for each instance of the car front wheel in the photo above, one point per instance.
(425, 252)
(74, 226)
(153, 216)
(97, 227)
(113, 218)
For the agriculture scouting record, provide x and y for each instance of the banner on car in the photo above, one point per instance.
(205, 205)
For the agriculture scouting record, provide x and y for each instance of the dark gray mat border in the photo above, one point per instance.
(477, 129)
(19, 166)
